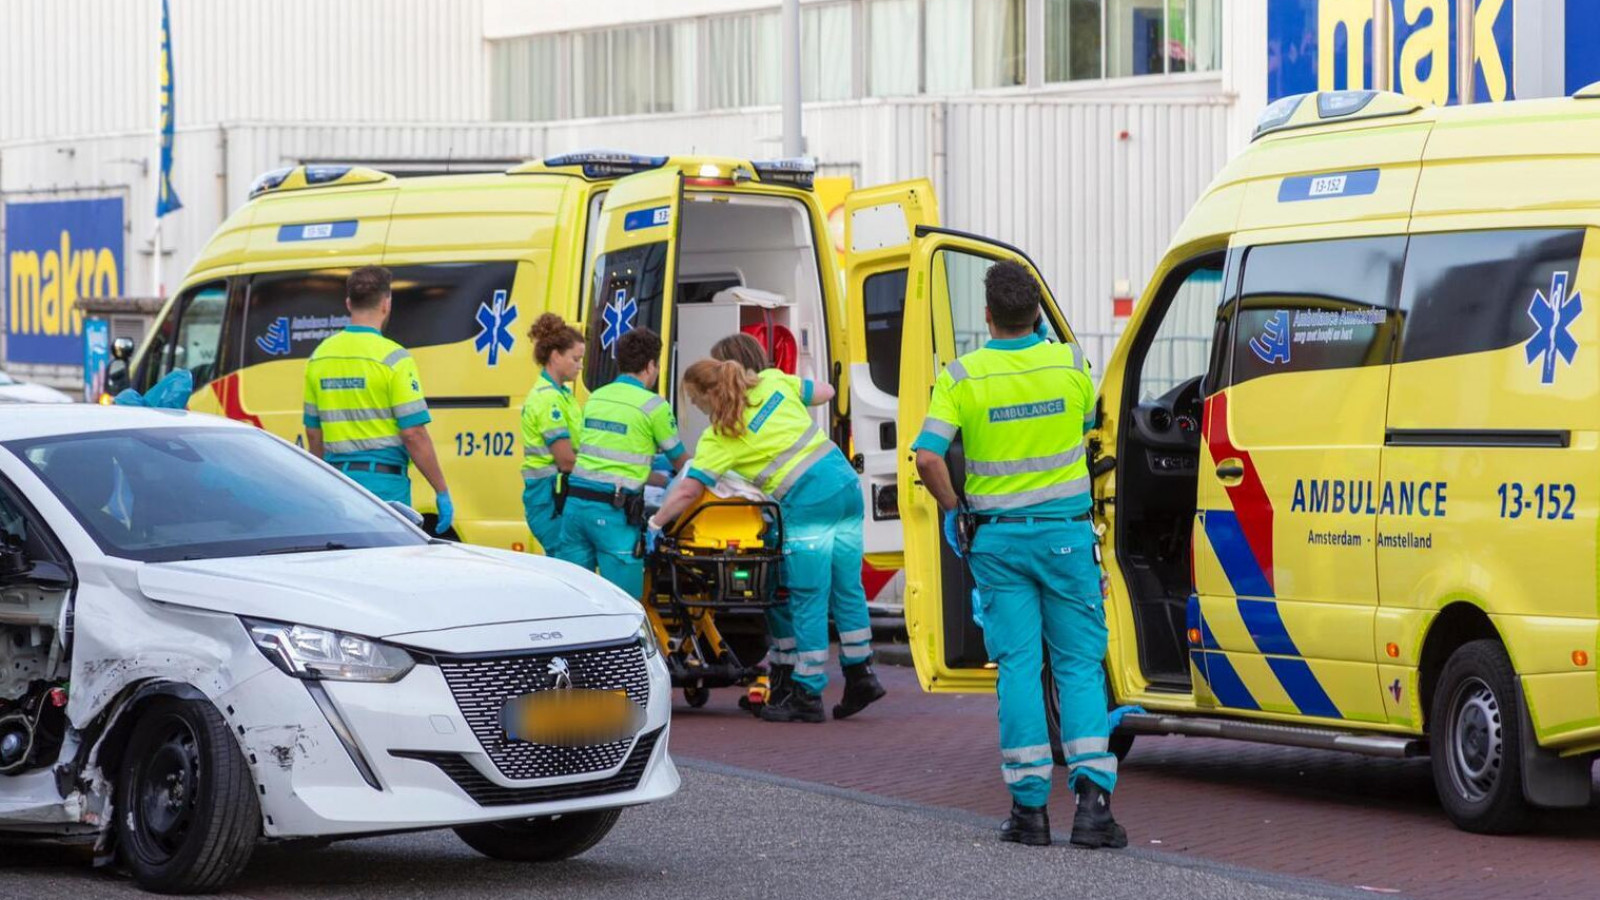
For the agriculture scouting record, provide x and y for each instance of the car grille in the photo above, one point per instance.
(486, 793)
(482, 686)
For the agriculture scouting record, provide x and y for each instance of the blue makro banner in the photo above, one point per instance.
(55, 253)
(1583, 35)
(1323, 45)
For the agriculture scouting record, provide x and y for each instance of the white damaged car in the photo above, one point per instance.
(208, 638)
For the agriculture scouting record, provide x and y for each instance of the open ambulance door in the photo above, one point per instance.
(944, 319)
(880, 224)
(633, 273)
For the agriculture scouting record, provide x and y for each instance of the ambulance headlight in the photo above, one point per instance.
(317, 654)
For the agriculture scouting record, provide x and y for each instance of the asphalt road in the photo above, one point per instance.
(724, 835)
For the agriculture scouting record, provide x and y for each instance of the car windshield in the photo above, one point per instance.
(166, 494)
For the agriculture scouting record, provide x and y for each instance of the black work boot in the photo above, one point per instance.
(795, 704)
(861, 687)
(1092, 825)
(1027, 825)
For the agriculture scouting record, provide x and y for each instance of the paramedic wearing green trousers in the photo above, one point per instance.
(848, 608)
(625, 424)
(761, 428)
(1022, 406)
(549, 424)
(365, 413)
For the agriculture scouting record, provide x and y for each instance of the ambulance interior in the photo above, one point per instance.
(1158, 464)
(747, 262)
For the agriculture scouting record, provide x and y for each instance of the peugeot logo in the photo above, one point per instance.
(561, 676)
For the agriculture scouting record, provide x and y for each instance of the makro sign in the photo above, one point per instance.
(55, 253)
(1324, 45)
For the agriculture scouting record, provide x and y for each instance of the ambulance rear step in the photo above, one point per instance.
(1386, 745)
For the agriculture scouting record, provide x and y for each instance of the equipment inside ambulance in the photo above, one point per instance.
(1346, 453)
(694, 248)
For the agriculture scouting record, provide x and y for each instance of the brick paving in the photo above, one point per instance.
(1336, 817)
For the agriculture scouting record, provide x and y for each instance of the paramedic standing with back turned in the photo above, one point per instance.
(1022, 406)
(364, 409)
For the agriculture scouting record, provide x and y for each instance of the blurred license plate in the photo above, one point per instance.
(574, 717)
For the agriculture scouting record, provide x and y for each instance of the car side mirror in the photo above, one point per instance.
(407, 512)
(122, 348)
(117, 376)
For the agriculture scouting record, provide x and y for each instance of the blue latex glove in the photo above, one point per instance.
(172, 391)
(1115, 716)
(652, 536)
(977, 609)
(447, 513)
(950, 533)
(129, 397)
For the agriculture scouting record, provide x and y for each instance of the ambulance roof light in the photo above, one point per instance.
(603, 163)
(1330, 107)
(1278, 113)
(797, 171)
(296, 178)
(1588, 92)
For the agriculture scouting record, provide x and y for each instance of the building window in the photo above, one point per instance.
(744, 64)
(1072, 40)
(893, 30)
(525, 78)
(626, 71)
(1154, 37)
(825, 52)
(974, 44)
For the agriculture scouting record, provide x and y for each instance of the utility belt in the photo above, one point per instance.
(967, 526)
(630, 502)
(374, 467)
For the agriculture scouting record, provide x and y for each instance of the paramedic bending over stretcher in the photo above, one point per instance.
(760, 429)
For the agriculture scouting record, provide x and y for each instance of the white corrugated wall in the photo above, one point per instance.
(84, 67)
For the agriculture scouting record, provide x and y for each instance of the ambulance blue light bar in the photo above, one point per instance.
(1278, 113)
(798, 171)
(606, 163)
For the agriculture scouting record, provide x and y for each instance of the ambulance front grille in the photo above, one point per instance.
(483, 686)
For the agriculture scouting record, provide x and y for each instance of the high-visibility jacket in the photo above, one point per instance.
(1022, 407)
(624, 426)
(780, 442)
(361, 390)
(549, 414)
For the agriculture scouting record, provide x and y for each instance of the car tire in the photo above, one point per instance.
(545, 839)
(187, 817)
(1476, 739)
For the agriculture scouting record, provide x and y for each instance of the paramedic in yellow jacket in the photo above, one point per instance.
(760, 428)
(365, 413)
(550, 426)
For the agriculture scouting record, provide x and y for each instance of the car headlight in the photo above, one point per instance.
(318, 654)
(647, 638)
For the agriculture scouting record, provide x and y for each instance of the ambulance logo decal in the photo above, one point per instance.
(619, 317)
(1554, 316)
(276, 341)
(1272, 345)
(494, 324)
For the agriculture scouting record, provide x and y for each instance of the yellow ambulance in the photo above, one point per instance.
(1347, 459)
(695, 248)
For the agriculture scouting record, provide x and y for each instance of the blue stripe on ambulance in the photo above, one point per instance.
(1239, 562)
(1225, 682)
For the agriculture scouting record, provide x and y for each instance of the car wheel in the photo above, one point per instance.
(545, 839)
(186, 808)
(1476, 741)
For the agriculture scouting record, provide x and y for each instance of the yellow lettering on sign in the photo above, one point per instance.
(105, 274)
(1487, 50)
(24, 293)
(1353, 16)
(1430, 42)
(50, 296)
(69, 315)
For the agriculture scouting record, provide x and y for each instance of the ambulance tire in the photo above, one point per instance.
(187, 815)
(1476, 741)
(545, 839)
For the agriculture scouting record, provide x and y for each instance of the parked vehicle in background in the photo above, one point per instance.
(282, 655)
(14, 391)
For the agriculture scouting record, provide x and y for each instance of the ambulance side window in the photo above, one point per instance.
(193, 338)
(1469, 292)
(884, 298)
(1317, 305)
(288, 313)
(1180, 350)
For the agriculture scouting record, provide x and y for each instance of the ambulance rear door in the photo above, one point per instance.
(633, 271)
(944, 318)
(880, 224)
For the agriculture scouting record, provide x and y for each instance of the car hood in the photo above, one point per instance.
(22, 392)
(387, 591)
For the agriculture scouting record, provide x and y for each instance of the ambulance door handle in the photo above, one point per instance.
(1230, 471)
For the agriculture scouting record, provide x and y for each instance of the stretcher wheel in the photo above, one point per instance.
(696, 697)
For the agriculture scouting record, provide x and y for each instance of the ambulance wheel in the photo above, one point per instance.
(696, 697)
(545, 839)
(187, 817)
(1476, 741)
